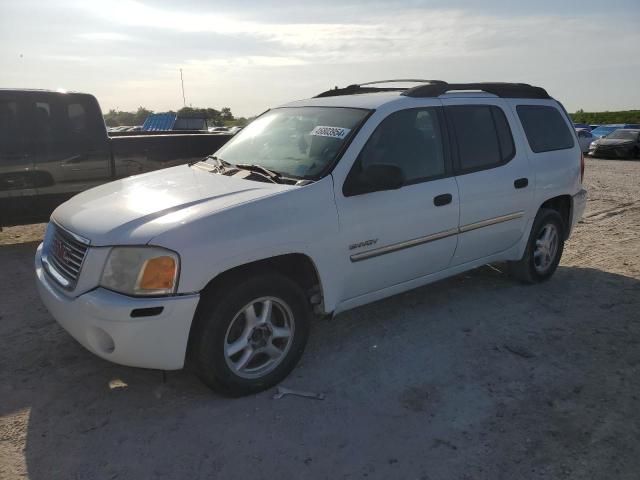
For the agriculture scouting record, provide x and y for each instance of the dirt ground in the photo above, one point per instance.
(475, 377)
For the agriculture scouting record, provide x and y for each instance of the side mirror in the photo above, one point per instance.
(374, 178)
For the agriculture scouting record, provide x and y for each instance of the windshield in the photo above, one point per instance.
(299, 142)
(623, 135)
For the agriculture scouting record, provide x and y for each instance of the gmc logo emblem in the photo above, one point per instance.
(60, 250)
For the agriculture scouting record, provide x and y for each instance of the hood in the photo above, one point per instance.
(133, 210)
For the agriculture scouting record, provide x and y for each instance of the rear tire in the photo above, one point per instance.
(544, 248)
(249, 337)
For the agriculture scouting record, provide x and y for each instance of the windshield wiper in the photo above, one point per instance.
(220, 164)
(274, 176)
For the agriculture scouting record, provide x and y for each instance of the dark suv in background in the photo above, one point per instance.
(54, 145)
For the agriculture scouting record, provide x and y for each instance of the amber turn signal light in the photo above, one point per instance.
(158, 273)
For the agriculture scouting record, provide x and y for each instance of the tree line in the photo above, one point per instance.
(214, 117)
(622, 116)
(224, 117)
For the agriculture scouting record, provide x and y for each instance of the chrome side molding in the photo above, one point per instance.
(490, 221)
(376, 252)
(394, 247)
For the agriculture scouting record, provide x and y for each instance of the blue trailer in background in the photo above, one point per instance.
(157, 122)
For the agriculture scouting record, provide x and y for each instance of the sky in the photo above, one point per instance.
(253, 55)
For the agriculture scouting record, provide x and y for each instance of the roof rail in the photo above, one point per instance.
(501, 89)
(366, 87)
(403, 80)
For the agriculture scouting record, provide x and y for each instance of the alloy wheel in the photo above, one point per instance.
(546, 248)
(259, 337)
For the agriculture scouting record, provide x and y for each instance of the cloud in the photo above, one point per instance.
(104, 37)
(250, 55)
(408, 33)
(246, 61)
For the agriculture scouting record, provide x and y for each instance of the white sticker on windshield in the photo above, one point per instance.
(333, 132)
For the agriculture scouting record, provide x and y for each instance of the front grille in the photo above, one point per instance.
(63, 255)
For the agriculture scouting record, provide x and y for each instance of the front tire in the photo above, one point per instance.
(544, 248)
(249, 337)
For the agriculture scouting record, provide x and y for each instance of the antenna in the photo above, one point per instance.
(184, 102)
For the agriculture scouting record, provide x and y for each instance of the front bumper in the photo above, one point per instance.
(101, 321)
(612, 152)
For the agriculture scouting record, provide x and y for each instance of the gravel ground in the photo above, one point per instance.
(470, 378)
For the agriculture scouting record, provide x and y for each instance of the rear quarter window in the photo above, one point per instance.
(77, 118)
(80, 118)
(545, 128)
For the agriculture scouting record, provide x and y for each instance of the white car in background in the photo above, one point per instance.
(320, 206)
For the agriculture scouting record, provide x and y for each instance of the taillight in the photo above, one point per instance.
(581, 166)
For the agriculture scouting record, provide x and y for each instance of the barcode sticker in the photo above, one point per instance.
(333, 132)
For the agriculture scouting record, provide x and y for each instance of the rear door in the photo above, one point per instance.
(494, 177)
(17, 180)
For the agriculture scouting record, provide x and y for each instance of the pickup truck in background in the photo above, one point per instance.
(54, 145)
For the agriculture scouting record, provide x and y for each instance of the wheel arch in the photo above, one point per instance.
(299, 267)
(561, 204)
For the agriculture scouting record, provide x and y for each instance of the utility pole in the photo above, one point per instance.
(184, 102)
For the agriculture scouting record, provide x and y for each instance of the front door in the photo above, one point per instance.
(398, 235)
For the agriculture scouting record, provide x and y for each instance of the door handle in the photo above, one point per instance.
(443, 199)
(521, 182)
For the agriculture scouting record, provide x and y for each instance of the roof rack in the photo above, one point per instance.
(403, 80)
(435, 88)
(358, 88)
(500, 89)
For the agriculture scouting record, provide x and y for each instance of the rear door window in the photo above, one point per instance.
(77, 117)
(545, 128)
(44, 121)
(483, 136)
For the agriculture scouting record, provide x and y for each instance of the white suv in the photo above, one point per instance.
(316, 207)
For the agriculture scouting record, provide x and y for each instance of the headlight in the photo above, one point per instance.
(593, 145)
(141, 271)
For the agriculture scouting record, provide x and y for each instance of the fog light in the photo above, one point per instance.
(101, 340)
